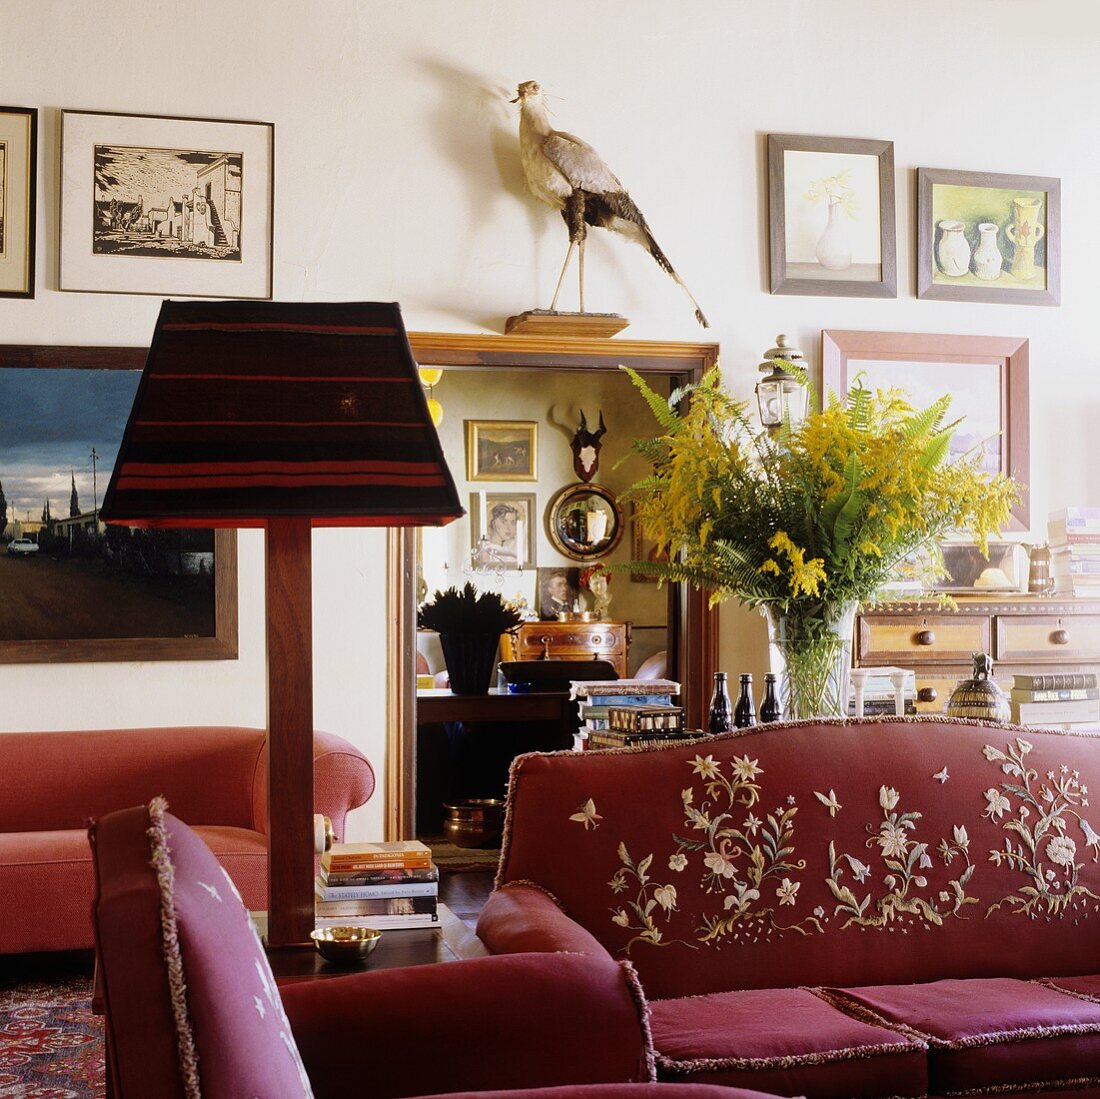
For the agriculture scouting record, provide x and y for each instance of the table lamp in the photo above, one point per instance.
(285, 416)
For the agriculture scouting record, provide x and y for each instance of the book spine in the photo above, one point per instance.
(1054, 713)
(391, 864)
(1055, 681)
(1069, 694)
(385, 890)
(380, 923)
(632, 700)
(380, 877)
(397, 906)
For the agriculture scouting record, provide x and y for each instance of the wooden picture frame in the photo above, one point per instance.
(967, 363)
(502, 450)
(110, 611)
(988, 237)
(166, 205)
(510, 536)
(830, 235)
(643, 549)
(18, 200)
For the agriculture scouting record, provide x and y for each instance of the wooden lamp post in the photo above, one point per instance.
(284, 416)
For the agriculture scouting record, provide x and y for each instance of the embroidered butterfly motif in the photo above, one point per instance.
(829, 801)
(941, 776)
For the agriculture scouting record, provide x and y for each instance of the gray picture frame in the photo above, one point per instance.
(784, 279)
(927, 284)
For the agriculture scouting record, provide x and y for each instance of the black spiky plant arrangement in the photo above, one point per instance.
(469, 625)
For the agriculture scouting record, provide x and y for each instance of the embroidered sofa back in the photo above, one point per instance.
(822, 853)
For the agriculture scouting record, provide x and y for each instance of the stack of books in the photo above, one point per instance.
(1074, 536)
(1055, 698)
(643, 712)
(879, 692)
(386, 886)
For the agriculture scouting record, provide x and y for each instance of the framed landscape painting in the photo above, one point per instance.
(502, 450)
(167, 206)
(73, 588)
(831, 222)
(988, 237)
(18, 191)
(986, 376)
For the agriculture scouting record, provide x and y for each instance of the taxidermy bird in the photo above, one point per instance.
(569, 175)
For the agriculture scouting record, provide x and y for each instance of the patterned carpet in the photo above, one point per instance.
(51, 1045)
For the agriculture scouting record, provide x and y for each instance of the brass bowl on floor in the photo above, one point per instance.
(345, 945)
(474, 822)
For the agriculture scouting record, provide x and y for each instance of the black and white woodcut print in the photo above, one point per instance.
(167, 203)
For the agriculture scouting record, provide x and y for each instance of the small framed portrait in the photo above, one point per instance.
(502, 529)
(18, 190)
(559, 590)
(502, 450)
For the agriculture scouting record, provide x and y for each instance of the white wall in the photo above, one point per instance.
(397, 178)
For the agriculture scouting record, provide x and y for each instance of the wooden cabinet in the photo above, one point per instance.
(569, 641)
(1023, 633)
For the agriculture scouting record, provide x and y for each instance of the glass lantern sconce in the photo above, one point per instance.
(429, 378)
(780, 393)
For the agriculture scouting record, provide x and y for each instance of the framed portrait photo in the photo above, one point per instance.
(502, 450)
(983, 236)
(987, 377)
(18, 194)
(502, 529)
(831, 223)
(559, 591)
(72, 587)
(167, 206)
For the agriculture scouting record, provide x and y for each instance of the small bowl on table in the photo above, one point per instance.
(346, 946)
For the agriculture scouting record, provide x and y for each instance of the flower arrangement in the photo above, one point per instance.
(811, 522)
(834, 189)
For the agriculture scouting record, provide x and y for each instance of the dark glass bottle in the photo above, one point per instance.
(720, 718)
(744, 713)
(770, 707)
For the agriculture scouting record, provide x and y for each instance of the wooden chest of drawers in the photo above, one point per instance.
(1022, 633)
(569, 641)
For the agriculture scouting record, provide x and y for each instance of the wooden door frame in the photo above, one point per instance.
(693, 628)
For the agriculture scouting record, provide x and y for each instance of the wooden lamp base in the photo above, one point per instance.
(544, 322)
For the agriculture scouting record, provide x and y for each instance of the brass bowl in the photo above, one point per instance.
(475, 822)
(578, 616)
(345, 945)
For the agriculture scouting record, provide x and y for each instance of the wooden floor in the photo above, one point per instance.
(465, 894)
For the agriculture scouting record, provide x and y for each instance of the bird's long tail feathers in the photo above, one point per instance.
(618, 211)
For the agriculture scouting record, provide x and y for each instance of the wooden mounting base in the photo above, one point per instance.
(543, 322)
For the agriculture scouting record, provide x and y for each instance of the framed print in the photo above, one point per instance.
(831, 222)
(987, 377)
(559, 591)
(166, 206)
(987, 237)
(502, 450)
(502, 529)
(73, 588)
(18, 192)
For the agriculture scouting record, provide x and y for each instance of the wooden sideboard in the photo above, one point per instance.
(1023, 633)
(569, 641)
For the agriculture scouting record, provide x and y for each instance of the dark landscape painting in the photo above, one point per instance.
(60, 432)
(167, 203)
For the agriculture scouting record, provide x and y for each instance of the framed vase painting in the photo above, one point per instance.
(18, 191)
(986, 376)
(166, 206)
(502, 450)
(502, 529)
(831, 220)
(988, 237)
(74, 588)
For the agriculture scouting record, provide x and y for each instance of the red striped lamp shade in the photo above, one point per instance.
(248, 411)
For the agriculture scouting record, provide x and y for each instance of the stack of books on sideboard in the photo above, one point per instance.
(386, 886)
(1055, 698)
(618, 713)
(1074, 536)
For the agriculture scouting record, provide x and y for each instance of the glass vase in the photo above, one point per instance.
(814, 642)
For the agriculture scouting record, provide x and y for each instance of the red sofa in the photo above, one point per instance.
(52, 784)
(881, 908)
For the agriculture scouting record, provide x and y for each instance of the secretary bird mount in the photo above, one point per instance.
(568, 174)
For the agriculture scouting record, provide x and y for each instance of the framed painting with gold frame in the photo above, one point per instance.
(18, 193)
(502, 450)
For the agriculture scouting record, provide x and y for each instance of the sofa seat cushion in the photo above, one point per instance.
(989, 1033)
(785, 1040)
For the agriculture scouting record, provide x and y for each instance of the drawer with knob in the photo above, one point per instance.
(1054, 638)
(570, 641)
(915, 639)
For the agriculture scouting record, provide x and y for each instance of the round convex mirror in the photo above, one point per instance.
(584, 521)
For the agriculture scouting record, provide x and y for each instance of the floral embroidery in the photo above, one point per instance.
(1042, 851)
(586, 814)
(787, 891)
(941, 776)
(829, 801)
(677, 862)
(904, 857)
(638, 915)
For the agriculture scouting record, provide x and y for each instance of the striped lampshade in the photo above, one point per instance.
(248, 411)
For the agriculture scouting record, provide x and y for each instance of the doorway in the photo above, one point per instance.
(508, 363)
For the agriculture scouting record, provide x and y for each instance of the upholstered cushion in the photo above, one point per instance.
(209, 973)
(991, 1033)
(614, 1091)
(784, 1040)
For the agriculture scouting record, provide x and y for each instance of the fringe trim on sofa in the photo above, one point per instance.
(864, 1014)
(177, 987)
(528, 884)
(1054, 986)
(1038, 1085)
(790, 1060)
(642, 1004)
